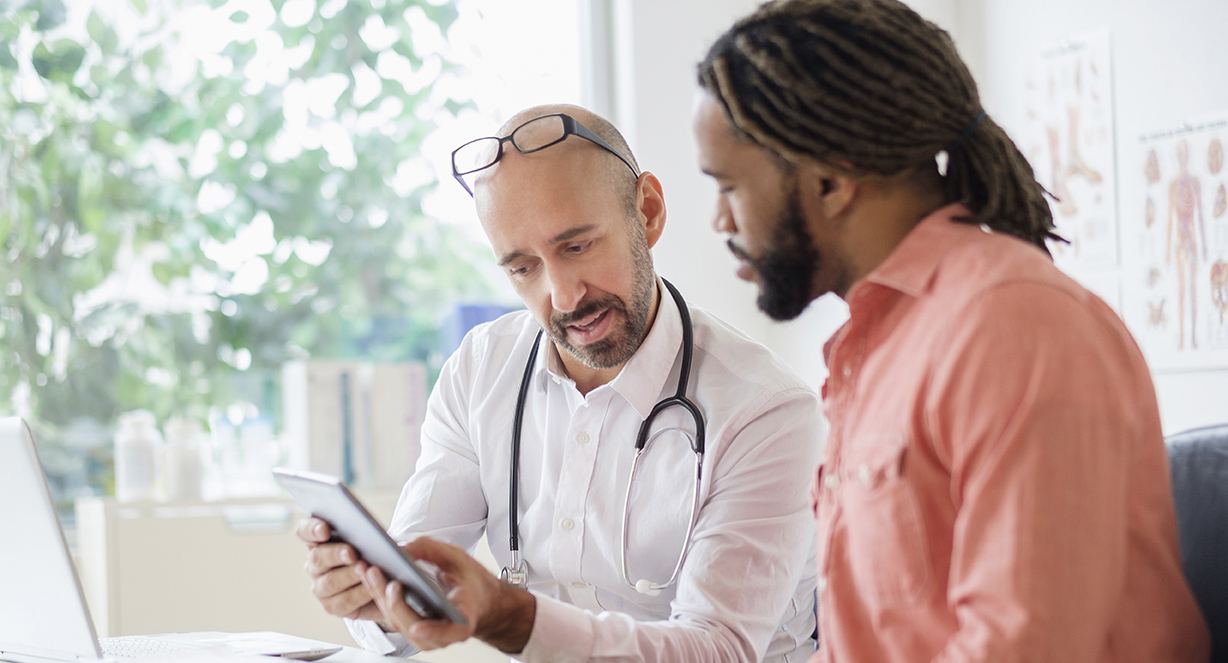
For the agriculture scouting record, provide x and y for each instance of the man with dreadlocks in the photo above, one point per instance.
(995, 485)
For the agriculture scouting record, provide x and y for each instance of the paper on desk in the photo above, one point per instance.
(254, 644)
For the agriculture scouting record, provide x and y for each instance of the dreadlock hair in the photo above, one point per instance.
(868, 87)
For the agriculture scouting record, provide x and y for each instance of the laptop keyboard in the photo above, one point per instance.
(136, 647)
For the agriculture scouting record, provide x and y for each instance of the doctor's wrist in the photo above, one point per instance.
(509, 622)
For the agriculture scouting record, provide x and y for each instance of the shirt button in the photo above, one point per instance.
(822, 584)
(985, 228)
(831, 481)
(863, 473)
(582, 438)
(568, 524)
(847, 370)
(579, 585)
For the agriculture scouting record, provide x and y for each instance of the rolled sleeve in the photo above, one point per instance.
(371, 637)
(562, 633)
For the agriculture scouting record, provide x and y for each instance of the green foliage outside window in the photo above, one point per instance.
(109, 167)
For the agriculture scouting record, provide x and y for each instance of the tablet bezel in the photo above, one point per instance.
(327, 498)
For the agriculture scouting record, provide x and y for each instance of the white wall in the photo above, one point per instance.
(659, 44)
(662, 43)
(1170, 61)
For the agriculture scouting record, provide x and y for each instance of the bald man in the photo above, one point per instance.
(716, 559)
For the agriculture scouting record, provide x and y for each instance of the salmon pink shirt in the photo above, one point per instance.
(995, 484)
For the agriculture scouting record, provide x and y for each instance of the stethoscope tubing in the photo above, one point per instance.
(516, 573)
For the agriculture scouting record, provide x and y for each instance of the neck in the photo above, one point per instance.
(588, 378)
(888, 211)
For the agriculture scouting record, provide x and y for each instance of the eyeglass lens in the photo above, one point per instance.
(531, 136)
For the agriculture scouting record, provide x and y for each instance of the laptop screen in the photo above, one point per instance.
(42, 609)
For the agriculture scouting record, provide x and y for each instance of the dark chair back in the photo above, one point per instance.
(1198, 460)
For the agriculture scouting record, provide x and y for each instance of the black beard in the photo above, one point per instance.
(787, 268)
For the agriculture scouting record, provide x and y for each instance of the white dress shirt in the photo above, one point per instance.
(745, 591)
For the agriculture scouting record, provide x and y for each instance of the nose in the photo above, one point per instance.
(722, 221)
(566, 288)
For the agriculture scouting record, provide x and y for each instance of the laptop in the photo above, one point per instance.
(43, 614)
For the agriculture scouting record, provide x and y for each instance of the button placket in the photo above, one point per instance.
(575, 475)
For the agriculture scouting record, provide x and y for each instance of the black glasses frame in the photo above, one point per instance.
(571, 127)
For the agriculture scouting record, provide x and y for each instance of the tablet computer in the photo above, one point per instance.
(328, 499)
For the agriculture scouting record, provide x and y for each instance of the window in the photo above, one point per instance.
(194, 192)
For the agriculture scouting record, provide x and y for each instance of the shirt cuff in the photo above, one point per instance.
(562, 633)
(371, 637)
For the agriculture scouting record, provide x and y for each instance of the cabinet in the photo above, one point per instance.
(234, 565)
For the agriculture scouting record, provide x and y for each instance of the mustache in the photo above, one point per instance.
(737, 251)
(586, 310)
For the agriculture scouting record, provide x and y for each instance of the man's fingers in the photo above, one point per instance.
(426, 634)
(335, 582)
(313, 530)
(390, 598)
(330, 565)
(328, 556)
(399, 612)
(379, 590)
(349, 603)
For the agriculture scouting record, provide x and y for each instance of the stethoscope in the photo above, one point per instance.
(517, 573)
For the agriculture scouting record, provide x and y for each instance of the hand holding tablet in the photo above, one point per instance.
(327, 498)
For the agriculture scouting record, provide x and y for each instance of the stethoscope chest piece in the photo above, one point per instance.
(518, 574)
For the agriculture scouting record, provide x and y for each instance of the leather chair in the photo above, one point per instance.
(1198, 460)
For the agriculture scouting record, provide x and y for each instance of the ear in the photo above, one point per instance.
(650, 202)
(830, 191)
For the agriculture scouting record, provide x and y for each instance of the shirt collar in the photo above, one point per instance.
(911, 266)
(555, 370)
(643, 377)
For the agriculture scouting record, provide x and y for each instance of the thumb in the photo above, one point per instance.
(445, 556)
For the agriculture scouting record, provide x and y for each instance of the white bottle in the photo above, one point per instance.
(137, 449)
(181, 460)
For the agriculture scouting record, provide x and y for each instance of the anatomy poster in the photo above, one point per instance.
(1068, 139)
(1175, 230)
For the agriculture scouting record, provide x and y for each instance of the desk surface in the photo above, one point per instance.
(354, 655)
(466, 652)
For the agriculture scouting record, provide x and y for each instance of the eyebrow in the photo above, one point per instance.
(561, 237)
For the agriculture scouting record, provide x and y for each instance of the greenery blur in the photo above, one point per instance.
(101, 182)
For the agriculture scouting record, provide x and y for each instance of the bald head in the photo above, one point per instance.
(614, 174)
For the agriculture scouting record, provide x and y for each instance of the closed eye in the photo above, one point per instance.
(578, 247)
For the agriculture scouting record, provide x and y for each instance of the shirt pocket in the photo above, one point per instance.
(888, 549)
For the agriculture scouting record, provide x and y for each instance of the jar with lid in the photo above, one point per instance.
(138, 447)
(182, 466)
